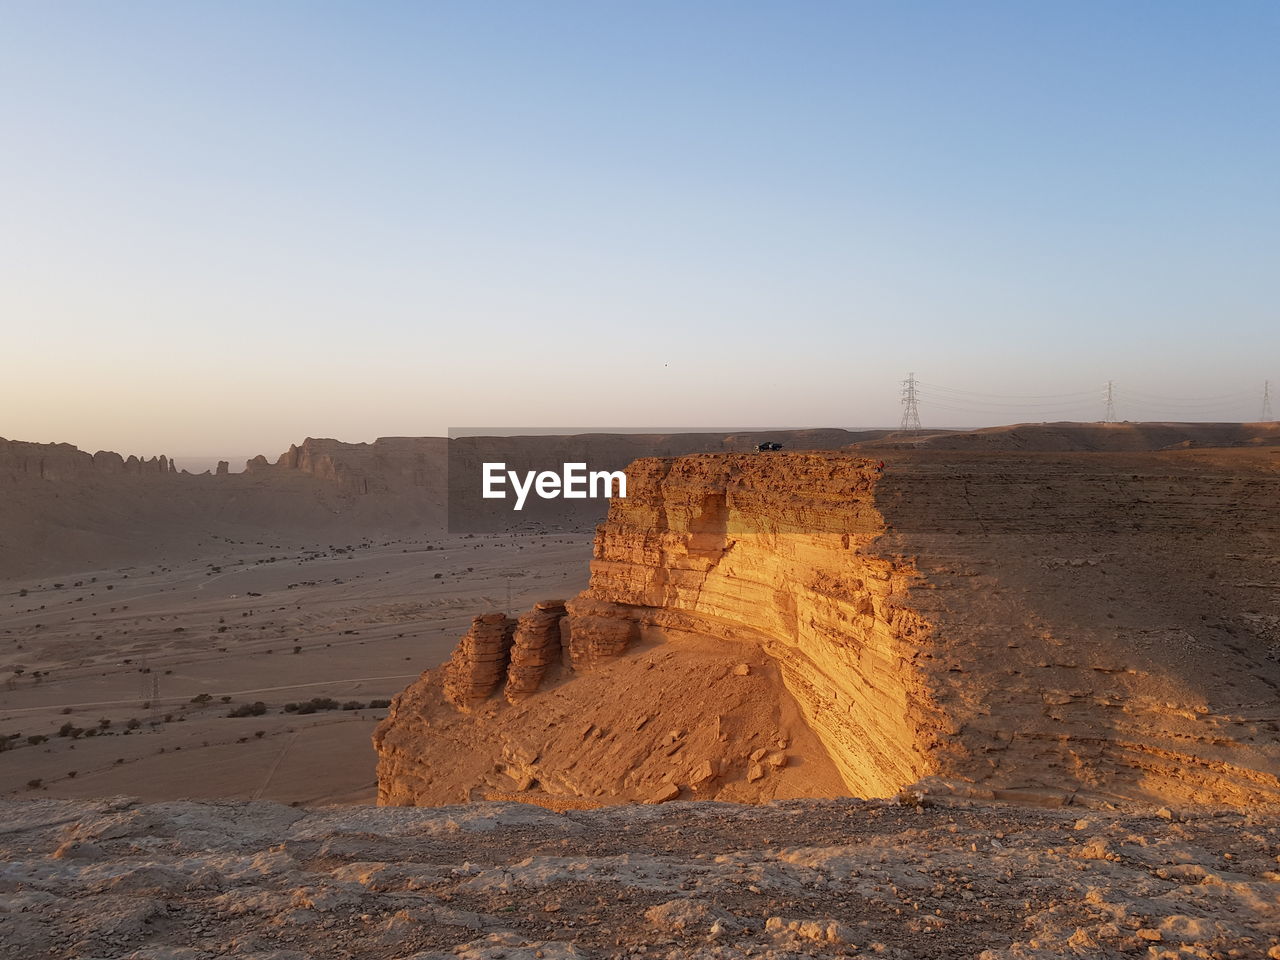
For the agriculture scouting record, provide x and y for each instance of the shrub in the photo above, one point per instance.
(318, 703)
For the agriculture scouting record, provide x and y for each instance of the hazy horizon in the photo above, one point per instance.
(231, 226)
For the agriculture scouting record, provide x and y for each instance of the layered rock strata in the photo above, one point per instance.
(479, 663)
(1049, 628)
(21, 461)
(536, 647)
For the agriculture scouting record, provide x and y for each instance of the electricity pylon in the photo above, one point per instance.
(1267, 415)
(1109, 396)
(910, 404)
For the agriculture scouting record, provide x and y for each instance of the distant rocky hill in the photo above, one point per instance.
(62, 461)
(1096, 437)
(62, 509)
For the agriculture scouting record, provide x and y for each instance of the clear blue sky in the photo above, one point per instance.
(225, 226)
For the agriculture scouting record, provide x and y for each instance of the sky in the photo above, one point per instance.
(227, 226)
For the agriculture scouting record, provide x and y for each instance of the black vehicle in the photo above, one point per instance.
(768, 445)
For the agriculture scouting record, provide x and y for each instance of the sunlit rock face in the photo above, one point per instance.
(774, 550)
(1050, 628)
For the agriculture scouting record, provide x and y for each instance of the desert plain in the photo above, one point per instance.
(1015, 694)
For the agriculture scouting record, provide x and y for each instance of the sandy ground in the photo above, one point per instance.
(135, 645)
(712, 881)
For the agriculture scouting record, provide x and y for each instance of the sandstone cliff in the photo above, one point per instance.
(1041, 627)
(63, 510)
(21, 461)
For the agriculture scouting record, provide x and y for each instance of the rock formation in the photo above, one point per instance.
(479, 664)
(64, 510)
(1039, 627)
(816, 879)
(536, 646)
(61, 462)
(597, 632)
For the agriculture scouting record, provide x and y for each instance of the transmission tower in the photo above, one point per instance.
(150, 687)
(1267, 415)
(1110, 397)
(910, 404)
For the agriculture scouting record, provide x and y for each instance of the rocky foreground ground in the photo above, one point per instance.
(813, 878)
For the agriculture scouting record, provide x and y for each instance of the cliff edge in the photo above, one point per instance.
(1052, 628)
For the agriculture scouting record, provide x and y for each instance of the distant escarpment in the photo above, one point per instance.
(62, 509)
(22, 461)
(1048, 628)
(1126, 437)
(387, 465)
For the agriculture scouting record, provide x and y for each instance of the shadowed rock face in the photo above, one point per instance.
(1021, 626)
(479, 664)
(62, 509)
(535, 648)
(21, 461)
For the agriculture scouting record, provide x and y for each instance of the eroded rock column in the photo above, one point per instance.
(479, 663)
(535, 647)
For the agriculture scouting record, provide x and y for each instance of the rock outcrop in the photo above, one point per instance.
(62, 462)
(479, 664)
(62, 510)
(821, 879)
(536, 647)
(388, 465)
(1035, 627)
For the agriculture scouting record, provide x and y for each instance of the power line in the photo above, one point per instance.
(1077, 405)
(931, 399)
(1220, 398)
(975, 393)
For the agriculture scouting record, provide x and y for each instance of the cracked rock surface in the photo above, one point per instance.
(810, 878)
